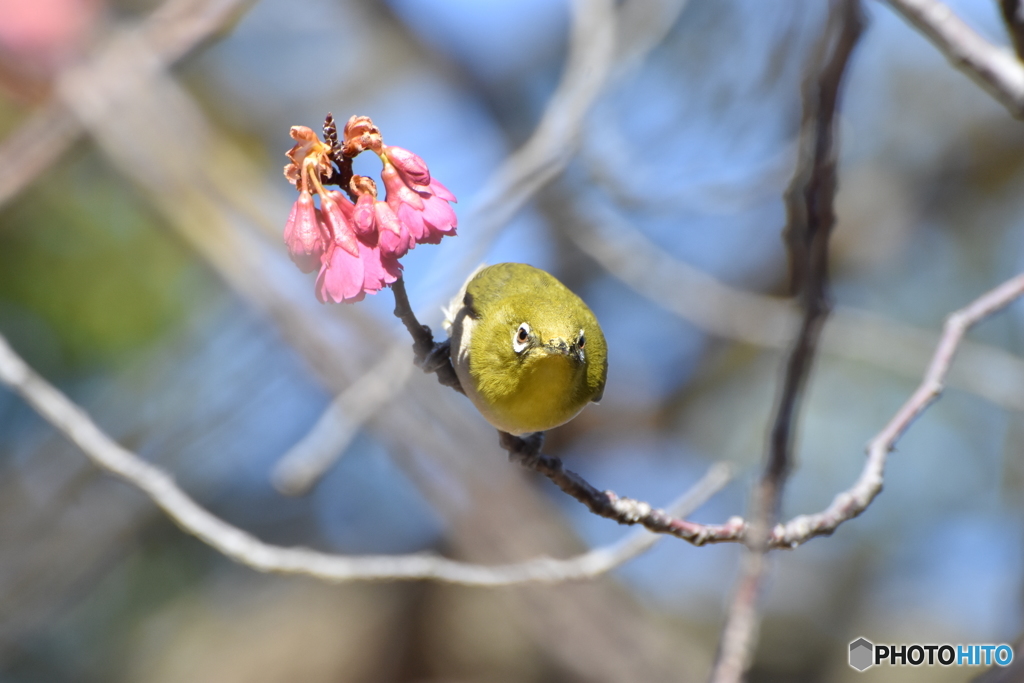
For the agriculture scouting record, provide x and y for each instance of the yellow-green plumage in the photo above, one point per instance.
(528, 352)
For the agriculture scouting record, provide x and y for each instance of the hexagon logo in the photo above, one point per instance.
(862, 654)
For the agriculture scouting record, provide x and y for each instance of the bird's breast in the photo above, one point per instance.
(543, 394)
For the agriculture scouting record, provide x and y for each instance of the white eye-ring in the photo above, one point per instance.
(521, 338)
(581, 341)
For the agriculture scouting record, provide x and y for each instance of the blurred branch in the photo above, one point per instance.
(810, 219)
(307, 461)
(35, 146)
(763, 320)
(173, 30)
(596, 48)
(1013, 15)
(592, 45)
(994, 68)
(75, 424)
(642, 25)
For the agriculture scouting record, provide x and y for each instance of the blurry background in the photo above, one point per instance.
(141, 270)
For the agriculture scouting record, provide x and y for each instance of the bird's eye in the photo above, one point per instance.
(521, 338)
(582, 341)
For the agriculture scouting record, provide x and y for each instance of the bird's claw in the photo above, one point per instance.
(524, 447)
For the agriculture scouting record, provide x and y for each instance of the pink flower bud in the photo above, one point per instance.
(304, 233)
(423, 210)
(412, 167)
(337, 211)
(413, 220)
(398, 192)
(363, 219)
(394, 237)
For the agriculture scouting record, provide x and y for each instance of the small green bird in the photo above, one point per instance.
(529, 353)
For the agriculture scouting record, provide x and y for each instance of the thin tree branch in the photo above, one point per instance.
(428, 355)
(810, 218)
(994, 68)
(856, 499)
(242, 547)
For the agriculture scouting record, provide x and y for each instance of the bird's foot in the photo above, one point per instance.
(521, 448)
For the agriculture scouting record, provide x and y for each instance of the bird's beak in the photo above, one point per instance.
(563, 348)
(558, 345)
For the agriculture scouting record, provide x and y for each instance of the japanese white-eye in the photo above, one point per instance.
(528, 352)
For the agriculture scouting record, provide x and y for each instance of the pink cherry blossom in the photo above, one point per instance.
(357, 244)
(304, 233)
(345, 278)
(337, 211)
(395, 237)
(363, 220)
(424, 209)
(341, 278)
(379, 270)
(376, 223)
(410, 165)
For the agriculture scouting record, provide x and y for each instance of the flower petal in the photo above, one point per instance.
(303, 234)
(398, 192)
(413, 220)
(341, 279)
(441, 191)
(411, 166)
(364, 220)
(439, 214)
(394, 238)
(334, 209)
(374, 274)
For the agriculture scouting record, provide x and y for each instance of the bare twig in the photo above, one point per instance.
(994, 68)
(855, 500)
(429, 355)
(810, 218)
(242, 547)
(628, 511)
(526, 451)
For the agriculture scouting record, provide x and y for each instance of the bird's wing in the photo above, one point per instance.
(451, 311)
